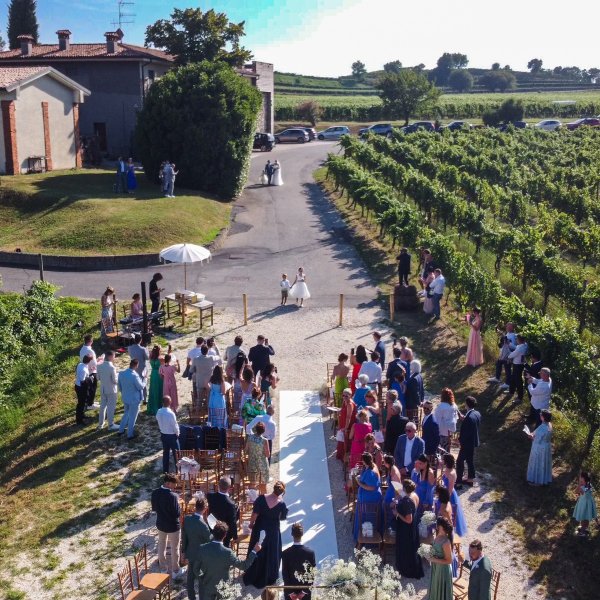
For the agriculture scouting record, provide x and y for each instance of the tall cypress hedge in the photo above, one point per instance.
(202, 117)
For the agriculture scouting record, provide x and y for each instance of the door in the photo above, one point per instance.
(100, 133)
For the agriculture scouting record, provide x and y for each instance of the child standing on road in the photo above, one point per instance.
(285, 288)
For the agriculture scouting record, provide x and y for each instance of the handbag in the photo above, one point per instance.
(378, 437)
(186, 372)
(339, 436)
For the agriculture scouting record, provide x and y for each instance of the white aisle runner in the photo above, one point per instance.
(303, 469)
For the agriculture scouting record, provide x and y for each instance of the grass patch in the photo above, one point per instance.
(538, 517)
(76, 212)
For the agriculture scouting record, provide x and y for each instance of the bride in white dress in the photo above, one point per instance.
(299, 289)
(277, 178)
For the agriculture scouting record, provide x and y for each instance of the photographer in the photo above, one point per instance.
(507, 343)
(259, 355)
(540, 391)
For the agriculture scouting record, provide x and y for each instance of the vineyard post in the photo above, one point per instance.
(392, 307)
(245, 302)
(341, 310)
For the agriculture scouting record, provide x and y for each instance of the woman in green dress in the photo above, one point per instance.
(440, 585)
(155, 393)
(339, 379)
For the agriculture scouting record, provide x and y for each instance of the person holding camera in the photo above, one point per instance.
(259, 355)
(506, 344)
(540, 391)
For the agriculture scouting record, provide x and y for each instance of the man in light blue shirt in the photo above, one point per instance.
(131, 388)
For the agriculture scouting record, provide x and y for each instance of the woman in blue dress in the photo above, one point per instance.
(424, 478)
(360, 395)
(539, 469)
(393, 476)
(448, 480)
(131, 180)
(217, 405)
(369, 492)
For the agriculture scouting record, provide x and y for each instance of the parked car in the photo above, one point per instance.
(454, 125)
(265, 142)
(418, 125)
(312, 133)
(378, 129)
(517, 124)
(548, 124)
(333, 133)
(292, 135)
(589, 121)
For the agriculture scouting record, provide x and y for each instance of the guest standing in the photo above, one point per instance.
(169, 432)
(107, 374)
(217, 405)
(449, 481)
(428, 302)
(231, 355)
(346, 419)
(107, 302)
(408, 562)
(131, 180)
(294, 560)
(156, 384)
(82, 384)
(379, 348)
(339, 379)
(446, 416)
(202, 370)
(540, 392)
(430, 431)
(539, 469)
(396, 426)
(155, 291)
(408, 448)
(169, 384)
(475, 345)
(480, 572)
(356, 360)
(469, 440)
(437, 286)
(139, 353)
(195, 533)
(415, 391)
(223, 508)
(585, 508)
(369, 492)
(259, 355)
(121, 186)
(257, 451)
(358, 432)
(424, 478)
(517, 356)
(131, 387)
(267, 513)
(403, 266)
(270, 427)
(440, 585)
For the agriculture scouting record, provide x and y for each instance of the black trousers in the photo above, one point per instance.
(533, 418)
(403, 277)
(507, 370)
(465, 454)
(82, 396)
(516, 381)
(155, 303)
(92, 387)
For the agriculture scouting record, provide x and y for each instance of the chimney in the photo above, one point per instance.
(64, 36)
(112, 39)
(26, 44)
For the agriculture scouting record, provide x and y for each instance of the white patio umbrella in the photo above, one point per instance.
(185, 253)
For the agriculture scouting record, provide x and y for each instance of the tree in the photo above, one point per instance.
(406, 92)
(22, 20)
(593, 74)
(535, 65)
(392, 67)
(193, 36)
(201, 116)
(496, 66)
(506, 68)
(459, 61)
(509, 111)
(359, 70)
(445, 64)
(498, 80)
(309, 111)
(461, 80)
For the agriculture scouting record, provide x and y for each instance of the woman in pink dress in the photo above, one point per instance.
(358, 432)
(475, 345)
(167, 374)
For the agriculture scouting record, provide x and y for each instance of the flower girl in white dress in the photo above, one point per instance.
(299, 289)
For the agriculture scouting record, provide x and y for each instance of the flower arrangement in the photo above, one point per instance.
(427, 521)
(425, 551)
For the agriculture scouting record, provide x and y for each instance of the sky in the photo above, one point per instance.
(324, 37)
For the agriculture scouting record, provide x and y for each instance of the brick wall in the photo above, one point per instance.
(265, 83)
(47, 144)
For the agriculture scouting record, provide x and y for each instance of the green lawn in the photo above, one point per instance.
(76, 212)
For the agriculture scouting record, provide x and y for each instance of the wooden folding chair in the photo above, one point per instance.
(495, 584)
(235, 441)
(111, 337)
(369, 511)
(210, 461)
(159, 583)
(212, 438)
(389, 534)
(231, 463)
(128, 592)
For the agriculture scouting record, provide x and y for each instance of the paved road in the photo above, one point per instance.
(275, 230)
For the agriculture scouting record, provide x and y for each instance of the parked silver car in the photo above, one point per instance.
(333, 133)
(292, 135)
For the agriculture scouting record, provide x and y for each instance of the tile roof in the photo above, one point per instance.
(10, 75)
(49, 52)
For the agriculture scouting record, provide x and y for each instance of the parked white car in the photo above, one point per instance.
(333, 133)
(548, 124)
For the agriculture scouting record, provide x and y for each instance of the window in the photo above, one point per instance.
(151, 74)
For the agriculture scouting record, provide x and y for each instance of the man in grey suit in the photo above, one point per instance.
(214, 561)
(141, 354)
(195, 534)
(202, 369)
(480, 576)
(131, 388)
(408, 448)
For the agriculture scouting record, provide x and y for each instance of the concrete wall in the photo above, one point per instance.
(265, 83)
(3, 96)
(30, 126)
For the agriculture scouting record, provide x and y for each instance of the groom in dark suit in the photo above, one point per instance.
(469, 440)
(195, 533)
(269, 171)
(223, 508)
(293, 560)
(480, 576)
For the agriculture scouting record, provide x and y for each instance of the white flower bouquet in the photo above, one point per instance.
(427, 521)
(425, 551)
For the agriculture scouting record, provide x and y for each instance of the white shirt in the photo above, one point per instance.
(408, 451)
(438, 285)
(214, 352)
(540, 391)
(285, 284)
(475, 563)
(446, 416)
(518, 354)
(270, 426)
(85, 351)
(167, 421)
(81, 373)
(107, 374)
(194, 353)
(372, 370)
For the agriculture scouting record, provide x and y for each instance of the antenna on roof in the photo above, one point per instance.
(125, 18)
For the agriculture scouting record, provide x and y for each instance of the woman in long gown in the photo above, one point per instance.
(238, 369)
(107, 302)
(277, 178)
(475, 345)
(155, 393)
(267, 513)
(356, 360)
(131, 180)
(539, 469)
(448, 481)
(358, 432)
(346, 418)
(217, 404)
(299, 289)
(440, 584)
(393, 476)
(257, 451)
(443, 508)
(424, 479)
(408, 562)
(428, 303)
(339, 379)
(167, 373)
(369, 492)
